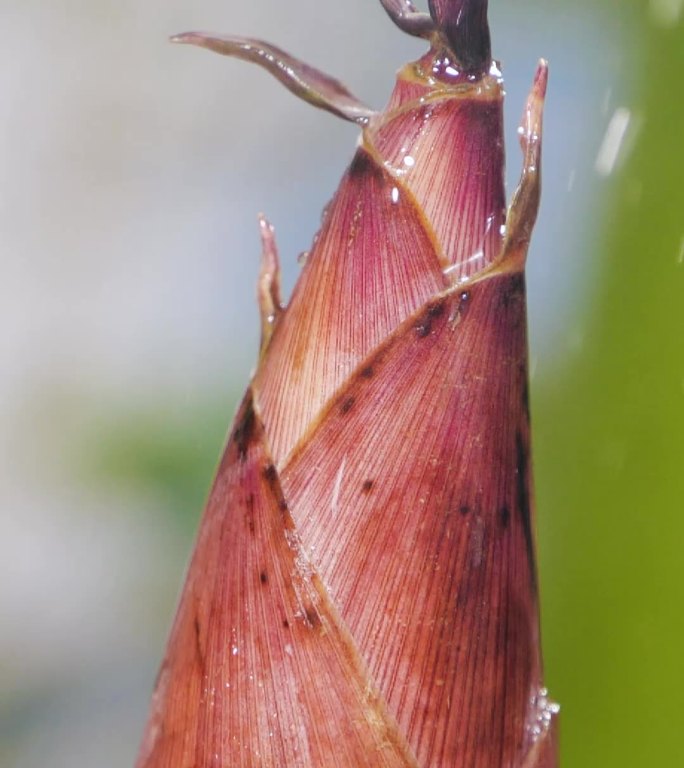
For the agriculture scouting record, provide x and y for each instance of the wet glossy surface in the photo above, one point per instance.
(378, 475)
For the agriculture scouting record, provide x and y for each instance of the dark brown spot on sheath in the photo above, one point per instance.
(367, 372)
(423, 325)
(464, 509)
(243, 434)
(504, 516)
(363, 166)
(367, 485)
(312, 617)
(271, 474)
(198, 644)
(514, 291)
(249, 512)
(347, 404)
(263, 577)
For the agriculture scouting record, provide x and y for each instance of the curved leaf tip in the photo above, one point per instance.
(305, 81)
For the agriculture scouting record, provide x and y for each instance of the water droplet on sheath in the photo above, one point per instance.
(543, 713)
(326, 211)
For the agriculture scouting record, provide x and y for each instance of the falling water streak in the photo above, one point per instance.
(666, 13)
(612, 141)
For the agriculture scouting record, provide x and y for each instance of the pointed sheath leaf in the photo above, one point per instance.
(412, 498)
(260, 670)
(458, 183)
(372, 264)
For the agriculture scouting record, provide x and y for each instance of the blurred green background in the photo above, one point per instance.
(609, 449)
(133, 172)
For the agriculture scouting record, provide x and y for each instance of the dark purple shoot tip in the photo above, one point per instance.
(463, 24)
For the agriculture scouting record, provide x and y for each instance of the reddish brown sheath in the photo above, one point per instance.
(363, 590)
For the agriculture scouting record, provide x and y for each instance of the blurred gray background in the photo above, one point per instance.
(132, 174)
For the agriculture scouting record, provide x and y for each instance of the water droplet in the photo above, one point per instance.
(326, 211)
(544, 711)
(495, 69)
(443, 66)
(395, 195)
